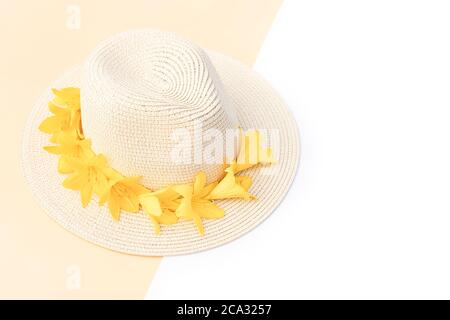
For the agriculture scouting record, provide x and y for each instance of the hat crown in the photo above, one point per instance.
(138, 90)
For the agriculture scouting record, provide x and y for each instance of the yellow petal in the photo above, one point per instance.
(207, 190)
(67, 137)
(55, 109)
(105, 198)
(86, 194)
(85, 149)
(75, 120)
(185, 190)
(50, 125)
(208, 210)
(245, 181)
(101, 185)
(99, 161)
(54, 137)
(168, 217)
(166, 194)
(53, 149)
(114, 208)
(63, 166)
(242, 167)
(130, 203)
(69, 97)
(199, 225)
(132, 183)
(185, 210)
(199, 182)
(74, 163)
(150, 204)
(156, 225)
(229, 188)
(76, 181)
(112, 175)
(168, 198)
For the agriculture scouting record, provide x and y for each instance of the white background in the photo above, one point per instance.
(369, 213)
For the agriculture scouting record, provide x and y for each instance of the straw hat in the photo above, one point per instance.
(137, 89)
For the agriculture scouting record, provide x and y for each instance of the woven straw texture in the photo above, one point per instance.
(130, 102)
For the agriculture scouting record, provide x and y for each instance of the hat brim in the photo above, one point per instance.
(257, 106)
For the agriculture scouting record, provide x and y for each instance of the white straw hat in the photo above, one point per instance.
(137, 88)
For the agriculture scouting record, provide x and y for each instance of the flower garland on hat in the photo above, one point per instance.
(89, 173)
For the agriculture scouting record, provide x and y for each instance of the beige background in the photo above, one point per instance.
(40, 259)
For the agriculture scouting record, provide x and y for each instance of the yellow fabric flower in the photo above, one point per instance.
(194, 205)
(251, 152)
(89, 176)
(123, 194)
(65, 108)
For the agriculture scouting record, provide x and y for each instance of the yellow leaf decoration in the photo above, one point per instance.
(90, 174)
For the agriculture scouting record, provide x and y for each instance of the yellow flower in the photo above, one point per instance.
(160, 206)
(168, 198)
(251, 152)
(89, 176)
(232, 187)
(65, 108)
(69, 145)
(194, 205)
(123, 194)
